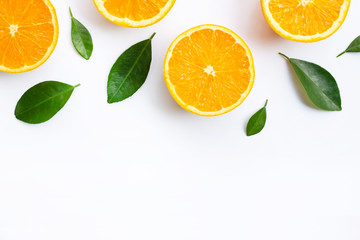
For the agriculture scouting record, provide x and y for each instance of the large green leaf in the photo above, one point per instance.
(130, 71)
(41, 102)
(320, 85)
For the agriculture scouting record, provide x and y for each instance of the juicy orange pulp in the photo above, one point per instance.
(209, 70)
(312, 18)
(28, 34)
(133, 10)
(130, 13)
(305, 20)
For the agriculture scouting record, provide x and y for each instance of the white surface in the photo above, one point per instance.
(146, 169)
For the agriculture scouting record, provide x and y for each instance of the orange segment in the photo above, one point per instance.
(28, 34)
(209, 70)
(305, 20)
(130, 13)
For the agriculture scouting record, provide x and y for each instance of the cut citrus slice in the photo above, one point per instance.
(209, 70)
(305, 20)
(28, 34)
(136, 14)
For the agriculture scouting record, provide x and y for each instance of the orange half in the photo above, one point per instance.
(305, 20)
(28, 34)
(136, 14)
(209, 70)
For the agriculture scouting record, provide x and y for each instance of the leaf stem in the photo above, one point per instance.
(152, 36)
(70, 12)
(266, 103)
(284, 56)
(341, 54)
(77, 85)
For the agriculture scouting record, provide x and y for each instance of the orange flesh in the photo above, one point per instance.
(26, 32)
(210, 70)
(305, 17)
(135, 10)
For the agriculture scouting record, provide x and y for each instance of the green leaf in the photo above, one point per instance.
(320, 85)
(354, 47)
(81, 38)
(41, 102)
(257, 121)
(130, 71)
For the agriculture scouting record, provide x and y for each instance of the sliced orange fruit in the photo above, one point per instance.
(305, 20)
(28, 34)
(209, 70)
(131, 13)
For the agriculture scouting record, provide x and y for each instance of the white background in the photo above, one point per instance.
(145, 168)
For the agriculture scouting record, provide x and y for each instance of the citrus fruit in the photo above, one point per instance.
(209, 70)
(28, 34)
(305, 20)
(136, 14)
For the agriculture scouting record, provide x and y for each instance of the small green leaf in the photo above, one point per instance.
(257, 121)
(320, 85)
(130, 71)
(354, 47)
(41, 102)
(81, 38)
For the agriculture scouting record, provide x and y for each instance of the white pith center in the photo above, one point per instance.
(210, 70)
(13, 29)
(305, 2)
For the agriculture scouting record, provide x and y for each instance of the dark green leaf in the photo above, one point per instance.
(354, 47)
(41, 102)
(257, 121)
(130, 71)
(320, 85)
(81, 38)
